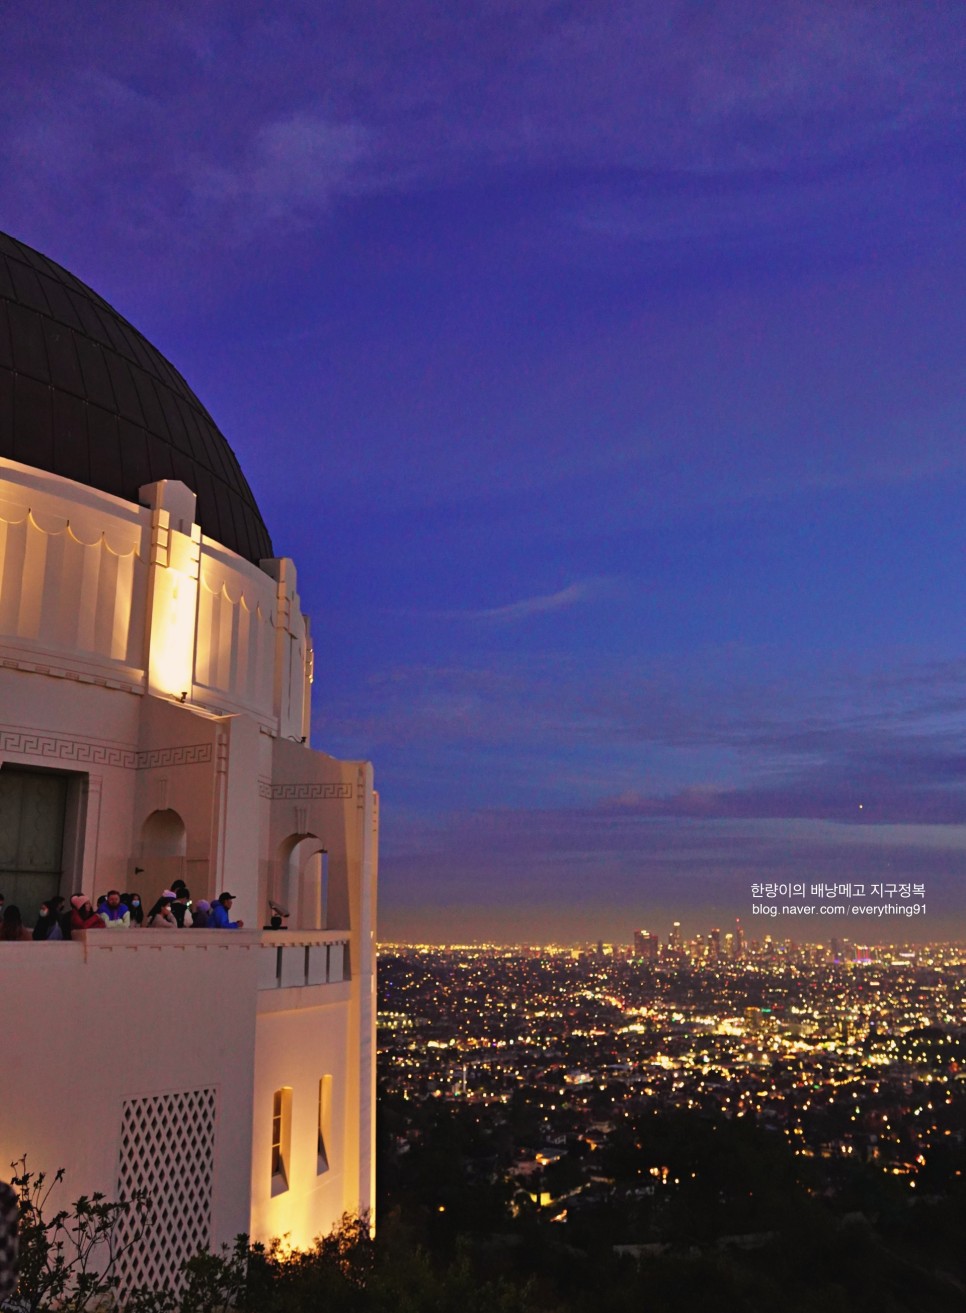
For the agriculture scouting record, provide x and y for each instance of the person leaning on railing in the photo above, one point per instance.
(12, 928)
(219, 918)
(114, 913)
(83, 916)
(132, 902)
(201, 913)
(181, 906)
(161, 917)
(49, 921)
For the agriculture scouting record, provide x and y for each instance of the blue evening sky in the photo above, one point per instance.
(602, 368)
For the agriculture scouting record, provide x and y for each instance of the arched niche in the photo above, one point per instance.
(164, 843)
(300, 881)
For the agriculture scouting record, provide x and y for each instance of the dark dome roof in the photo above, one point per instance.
(84, 395)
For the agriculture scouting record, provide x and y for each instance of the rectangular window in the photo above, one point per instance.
(281, 1138)
(33, 810)
(325, 1125)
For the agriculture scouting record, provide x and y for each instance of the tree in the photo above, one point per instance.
(68, 1260)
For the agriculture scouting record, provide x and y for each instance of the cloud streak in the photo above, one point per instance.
(322, 110)
(528, 607)
(860, 799)
(856, 751)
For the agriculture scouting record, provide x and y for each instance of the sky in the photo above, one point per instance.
(601, 367)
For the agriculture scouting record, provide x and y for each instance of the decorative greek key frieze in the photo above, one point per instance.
(296, 792)
(82, 753)
(60, 748)
(186, 754)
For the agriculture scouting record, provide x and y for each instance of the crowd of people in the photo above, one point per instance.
(174, 910)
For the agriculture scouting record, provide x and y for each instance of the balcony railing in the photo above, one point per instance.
(286, 958)
(294, 958)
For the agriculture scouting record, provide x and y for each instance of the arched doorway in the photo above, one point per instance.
(299, 883)
(164, 843)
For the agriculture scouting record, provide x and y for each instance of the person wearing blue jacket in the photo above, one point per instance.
(115, 914)
(219, 918)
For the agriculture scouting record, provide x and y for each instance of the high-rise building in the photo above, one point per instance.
(716, 944)
(646, 945)
(155, 677)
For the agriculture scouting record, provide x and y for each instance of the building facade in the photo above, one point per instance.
(155, 677)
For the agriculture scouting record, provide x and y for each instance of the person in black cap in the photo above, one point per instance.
(219, 918)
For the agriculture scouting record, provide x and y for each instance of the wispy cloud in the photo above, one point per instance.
(728, 91)
(290, 171)
(527, 607)
(509, 613)
(603, 870)
(669, 743)
(868, 798)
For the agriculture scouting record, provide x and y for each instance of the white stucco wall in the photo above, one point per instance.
(119, 1015)
(298, 1041)
(170, 679)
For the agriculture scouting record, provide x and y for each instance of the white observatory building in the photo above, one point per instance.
(155, 673)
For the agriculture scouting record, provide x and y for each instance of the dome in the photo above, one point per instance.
(84, 395)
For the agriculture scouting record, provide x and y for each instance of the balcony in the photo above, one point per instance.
(294, 959)
(286, 959)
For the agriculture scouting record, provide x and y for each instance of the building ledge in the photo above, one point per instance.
(289, 938)
(303, 959)
(156, 940)
(297, 998)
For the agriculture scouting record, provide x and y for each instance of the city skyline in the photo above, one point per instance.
(617, 359)
(625, 947)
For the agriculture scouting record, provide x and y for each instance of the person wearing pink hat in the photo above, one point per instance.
(82, 914)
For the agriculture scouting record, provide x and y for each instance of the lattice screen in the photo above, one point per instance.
(167, 1149)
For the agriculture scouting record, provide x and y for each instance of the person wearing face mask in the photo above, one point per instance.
(48, 922)
(161, 917)
(133, 903)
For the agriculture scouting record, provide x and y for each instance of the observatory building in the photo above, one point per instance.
(155, 675)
